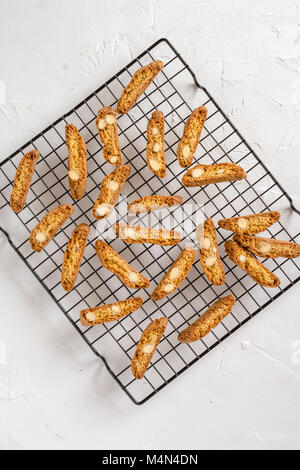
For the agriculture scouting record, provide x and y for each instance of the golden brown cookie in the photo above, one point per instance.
(175, 275)
(22, 180)
(112, 261)
(137, 85)
(111, 187)
(268, 247)
(147, 345)
(77, 165)
(151, 203)
(209, 320)
(156, 159)
(49, 226)
(200, 175)
(138, 234)
(191, 136)
(73, 256)
(106, 123)
(251, 265)
(250, 224)
(109, 312)
(209, 252)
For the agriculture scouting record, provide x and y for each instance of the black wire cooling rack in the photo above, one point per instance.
(115, 342)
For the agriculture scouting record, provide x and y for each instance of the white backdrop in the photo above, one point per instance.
(53, 392)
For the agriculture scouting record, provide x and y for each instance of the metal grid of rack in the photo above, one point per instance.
(115, 342)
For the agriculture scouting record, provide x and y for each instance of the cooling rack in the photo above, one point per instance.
(176, 92)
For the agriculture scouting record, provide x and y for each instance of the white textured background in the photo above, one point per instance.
(53, 392)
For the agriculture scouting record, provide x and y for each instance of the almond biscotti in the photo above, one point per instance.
(250, 224)
(191, 136)
(268, 247)
(175, 275)
(156, 159)
(106, 123)
(111, 187)
(146, 347)
(23, 179)
(137, 85)
(209, 320)
(251, 265)
(209, 252)
(109, 312)
(49, 226)
(151, 203)
(73, 256)
(112, 261)
(201, 175)
(138, 234)
(77, 166)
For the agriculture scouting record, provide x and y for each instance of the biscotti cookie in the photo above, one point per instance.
(151, 203)
(251, 265)
(209, 320)
(77, 165)
(112, 261)
(109, 312)
(146, 347)
(22, 180)
(156, 159)
(111, 187)
(209, 252)
(250, 224)
(106, 123)
(138, 234)
(191, 136)
(73, 256)
(175, 275)
(268, 247)
(137, 85)
(200, 175)
(49, 226)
